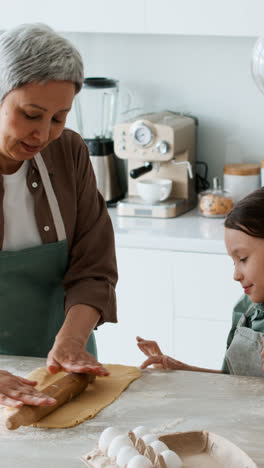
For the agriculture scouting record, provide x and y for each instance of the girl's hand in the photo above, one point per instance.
(70, 355)
(16, 391)
(157, 358)
(149, 348)
(165, 362)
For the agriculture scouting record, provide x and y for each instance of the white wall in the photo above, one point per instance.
(206, 76)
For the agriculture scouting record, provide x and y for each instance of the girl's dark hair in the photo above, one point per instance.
(248, 214)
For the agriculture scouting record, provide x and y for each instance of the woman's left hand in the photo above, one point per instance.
(70, 355)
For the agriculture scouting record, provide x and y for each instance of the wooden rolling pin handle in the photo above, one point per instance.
(63, 390)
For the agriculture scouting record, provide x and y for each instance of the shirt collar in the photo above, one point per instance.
(258, 312)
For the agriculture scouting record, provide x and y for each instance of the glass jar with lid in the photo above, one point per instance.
(215, 202)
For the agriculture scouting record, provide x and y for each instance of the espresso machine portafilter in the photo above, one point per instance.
(157, 146)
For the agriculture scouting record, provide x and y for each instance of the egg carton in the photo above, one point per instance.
(206, 449)
(135, 449)
(140, 449)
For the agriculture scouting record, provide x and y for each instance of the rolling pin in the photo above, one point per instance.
(63, 390)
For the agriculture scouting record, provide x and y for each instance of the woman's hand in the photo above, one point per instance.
(157, 358)
(69, 350)
(16, 391)
(70, 355)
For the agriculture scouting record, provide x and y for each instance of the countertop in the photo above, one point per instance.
(164, 401)
(189, 232)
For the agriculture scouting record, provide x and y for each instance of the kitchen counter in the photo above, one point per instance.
(189, 232)
(161, 400)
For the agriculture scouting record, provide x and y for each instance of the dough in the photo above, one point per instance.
(97, 396)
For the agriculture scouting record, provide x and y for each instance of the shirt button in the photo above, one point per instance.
(34, 184)
(46, 228)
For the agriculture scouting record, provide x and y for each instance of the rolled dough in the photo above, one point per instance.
(97, 396)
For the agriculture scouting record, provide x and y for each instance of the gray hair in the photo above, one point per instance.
(35, 53)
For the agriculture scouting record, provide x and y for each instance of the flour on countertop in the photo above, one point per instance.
(167, 426)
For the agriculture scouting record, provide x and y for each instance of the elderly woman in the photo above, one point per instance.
(57, 259)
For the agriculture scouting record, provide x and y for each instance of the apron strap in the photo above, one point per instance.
(52, 200)
(243, 318)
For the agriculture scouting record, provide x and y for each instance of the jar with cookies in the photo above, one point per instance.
(215, 202)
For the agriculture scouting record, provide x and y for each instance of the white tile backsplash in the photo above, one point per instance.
(207, 76)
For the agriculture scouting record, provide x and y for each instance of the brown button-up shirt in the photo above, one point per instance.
(91, 274)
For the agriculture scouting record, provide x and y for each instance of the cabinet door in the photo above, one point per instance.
(204, 296)
(80, 15)
(145, 306)
(205, 17)
(200, 342)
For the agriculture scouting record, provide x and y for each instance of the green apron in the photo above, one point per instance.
(243, 357)
(31, 290)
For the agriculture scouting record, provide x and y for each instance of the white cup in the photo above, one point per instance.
(154, 190)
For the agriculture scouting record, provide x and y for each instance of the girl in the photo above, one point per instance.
(244, 239)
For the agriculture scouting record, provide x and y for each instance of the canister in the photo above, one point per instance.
(241, 179)
(262, 173)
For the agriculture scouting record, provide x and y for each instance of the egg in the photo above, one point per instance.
(158, 446)
(117, 443)
(171, 459)
(124, 455)
(139, 461)
(106, 438)
(148, 438)
(139, 431)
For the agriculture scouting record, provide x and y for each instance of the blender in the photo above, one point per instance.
(96, 109)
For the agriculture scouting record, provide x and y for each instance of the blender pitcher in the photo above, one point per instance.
(96, 109)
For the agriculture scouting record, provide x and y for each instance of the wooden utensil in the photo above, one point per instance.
(63, 390)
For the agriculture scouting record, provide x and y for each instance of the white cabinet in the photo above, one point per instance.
(121, 16)
(205, 17)
(200, 342)
(145, 306)
(203, 286)
(183, 300)
(188, 17)
(204, 296)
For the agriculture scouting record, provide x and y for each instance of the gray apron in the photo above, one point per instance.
(243, 355)
(31, 289)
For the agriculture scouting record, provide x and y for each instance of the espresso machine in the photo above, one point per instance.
(96, 109)
(158, 145)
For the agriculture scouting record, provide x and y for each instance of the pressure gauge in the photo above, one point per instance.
(142, 134)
